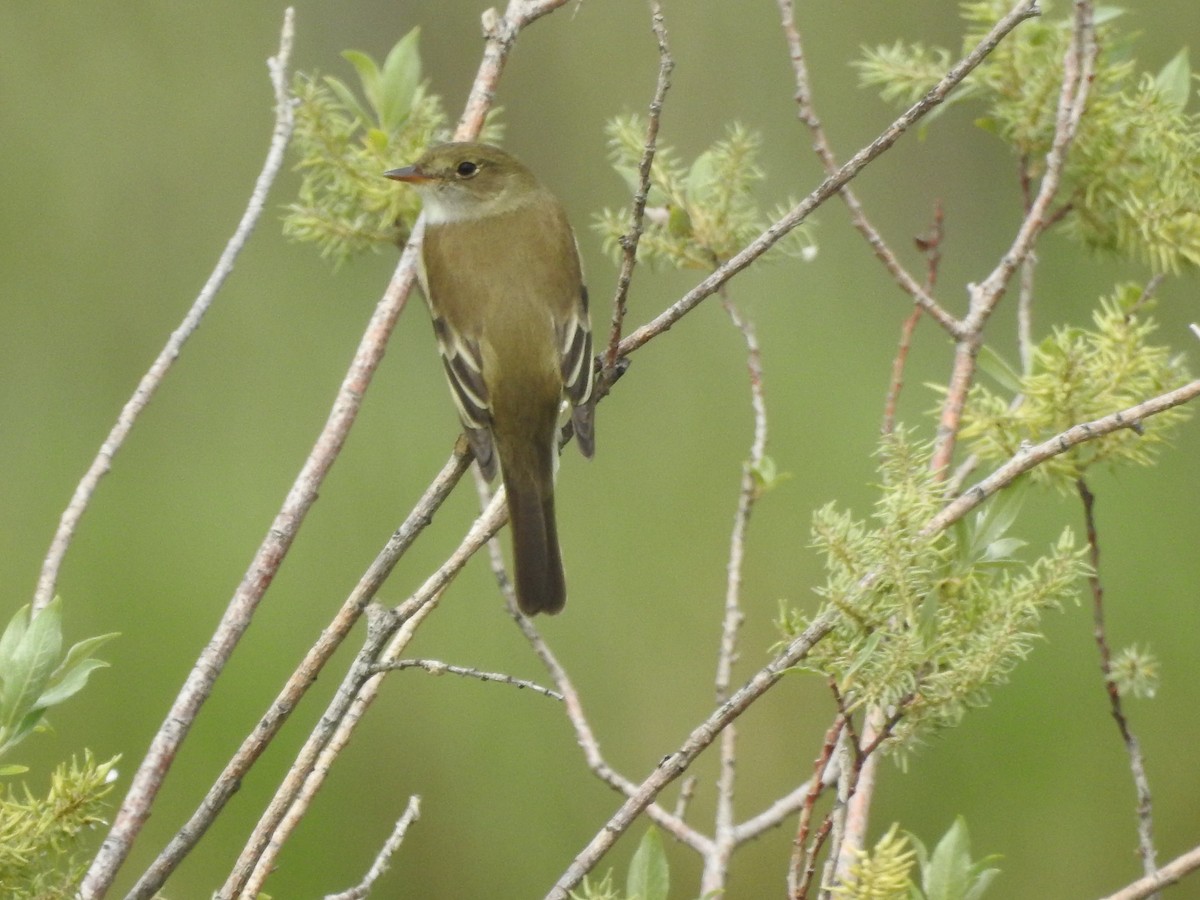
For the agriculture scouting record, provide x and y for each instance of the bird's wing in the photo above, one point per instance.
(464, 370)
(575, 347)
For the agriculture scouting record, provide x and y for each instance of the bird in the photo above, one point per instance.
(500, 271)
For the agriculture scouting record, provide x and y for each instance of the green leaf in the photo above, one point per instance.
(13, 769)
(30, 663)
(998, 367)
(368, 74)
(398, 83)
(1174, 82)
(70, 682)
(997, 517)
(649, 878)
(347, 97)
(950, 874)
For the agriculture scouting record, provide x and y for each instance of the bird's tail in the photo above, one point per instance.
(541, 586)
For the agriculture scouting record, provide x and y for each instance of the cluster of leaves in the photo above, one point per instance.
(926, 623)
(1077, 375)
(344, 205)
(41, 853)
(883, 873)
(698, 215)
(35, 674)
(42, 838)
(649, 877)
(1131, 181)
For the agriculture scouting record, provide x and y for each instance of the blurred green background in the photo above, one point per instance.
(131, 135)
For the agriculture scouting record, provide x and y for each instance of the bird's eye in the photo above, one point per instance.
(466, 169)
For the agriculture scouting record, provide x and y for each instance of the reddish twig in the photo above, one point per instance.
(1137, 763)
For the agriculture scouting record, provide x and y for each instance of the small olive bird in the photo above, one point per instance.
(500, 269)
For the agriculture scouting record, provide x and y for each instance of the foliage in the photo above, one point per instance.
(950, 873)
(926, 623)
(697, 216)
(1077, 375)
(1131, 181)
(648, 877)
(41, 838)
(345, 206)
(34, 673)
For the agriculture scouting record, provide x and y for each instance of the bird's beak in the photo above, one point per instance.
(408, 174)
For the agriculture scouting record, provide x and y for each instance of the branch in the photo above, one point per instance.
(157, 372)
(363, 889)
(1137, 764)
(1168, 875)
(716, 863)
(437, 667)
(1031, 457)
(807, 113)
(637, 216)
(136, 807)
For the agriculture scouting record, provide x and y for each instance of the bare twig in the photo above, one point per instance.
(1170, 874)
(162, 364)
(631, 238)
(146, 781)
(716, 863)
(1137, 763)
(362, 890)
(304, 676)
(437, 667)
(807, 113)
(931, 246)
(1078, 71)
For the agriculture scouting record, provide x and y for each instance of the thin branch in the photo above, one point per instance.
(806, 111)
(1137, 763)
(146, 781)
(1026, 9)
(716, 863)
(1030, 457)
(931, 246)
(1170, 874)
(629, 241)
(437, 667)
(1078, 71)
(823, 764)
(363, 889)
(157, 372)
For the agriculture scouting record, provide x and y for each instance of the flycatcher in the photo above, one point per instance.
(500, 269)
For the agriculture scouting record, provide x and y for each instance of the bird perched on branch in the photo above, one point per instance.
(500, 269)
